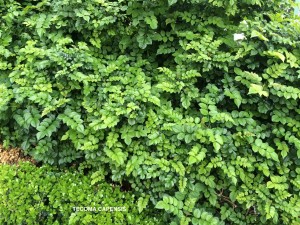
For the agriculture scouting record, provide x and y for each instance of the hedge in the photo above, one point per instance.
(45, 195)
(194, 102)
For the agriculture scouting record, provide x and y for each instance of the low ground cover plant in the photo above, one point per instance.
(44, 195)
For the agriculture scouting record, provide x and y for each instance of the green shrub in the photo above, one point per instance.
(32, 195)
(161, 94)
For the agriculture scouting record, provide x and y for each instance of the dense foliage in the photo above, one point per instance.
(31, 195)
(203, 125)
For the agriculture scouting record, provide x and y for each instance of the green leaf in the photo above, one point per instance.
(255, 33)
(274, 156)
(80, 128)
(276, 54)
(172, 2)
(192, 160)
(217, 146)
(142, 203)
(188, 138)
(237, 102)
(152, 21)
(116, 155)
(182, 183)
(238, 71)
(162, 205)
(219, 139)
(40, 135)
(128, 140)
(204, 112)
(143, 40)
(272, 211)
(257, 89)
(197, 213)
(180, 136)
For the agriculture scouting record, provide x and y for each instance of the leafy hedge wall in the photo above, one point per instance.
(31, 195)
(194, 102)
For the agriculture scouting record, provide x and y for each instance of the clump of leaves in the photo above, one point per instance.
(44, 195)
(203, 123)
